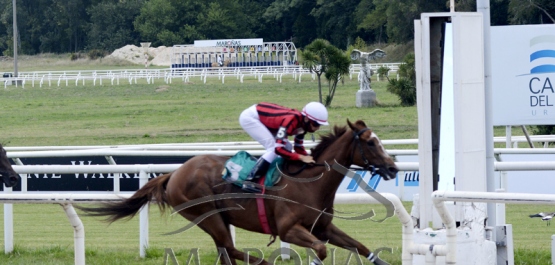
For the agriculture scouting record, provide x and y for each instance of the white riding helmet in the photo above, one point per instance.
(316, 111)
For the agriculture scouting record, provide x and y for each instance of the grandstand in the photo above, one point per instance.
(235, 53)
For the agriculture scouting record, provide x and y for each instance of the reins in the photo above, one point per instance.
(356, 136)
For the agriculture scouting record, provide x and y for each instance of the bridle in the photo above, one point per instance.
(367, 165)
(373, 170)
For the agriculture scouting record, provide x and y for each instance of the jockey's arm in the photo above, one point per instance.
(282, 150)
(299, 144)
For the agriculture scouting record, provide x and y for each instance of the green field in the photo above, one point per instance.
(187, 113)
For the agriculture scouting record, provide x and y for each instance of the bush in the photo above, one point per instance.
(405, 87)
(544, 130)
(96, 54)
(75, 56)
(384, 71)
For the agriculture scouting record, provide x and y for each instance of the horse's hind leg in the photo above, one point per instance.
(337, 237)
(219, 231)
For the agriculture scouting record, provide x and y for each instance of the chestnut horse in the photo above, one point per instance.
(9, 176)
(299, 212)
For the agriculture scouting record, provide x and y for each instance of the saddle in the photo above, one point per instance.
(238, 167)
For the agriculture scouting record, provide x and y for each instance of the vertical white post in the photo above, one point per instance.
(8, 212)
(143, 219)
(500, 207)
(117, 176)
(422, 65)
(553, 249)
(78, 233)
(232, 232)
(8, 224)
(483, 6)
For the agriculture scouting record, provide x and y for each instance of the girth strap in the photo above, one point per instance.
(262, 217)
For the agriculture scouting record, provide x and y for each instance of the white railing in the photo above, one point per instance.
(65, 200)
(440, 197)
(131, 76)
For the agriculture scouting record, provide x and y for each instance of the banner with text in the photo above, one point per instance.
(523, 72)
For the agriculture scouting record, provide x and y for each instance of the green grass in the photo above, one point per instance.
(198, 112)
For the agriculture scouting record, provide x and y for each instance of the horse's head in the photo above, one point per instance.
(9, 176)
(369, 153)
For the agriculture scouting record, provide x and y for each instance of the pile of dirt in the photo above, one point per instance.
(156, 55)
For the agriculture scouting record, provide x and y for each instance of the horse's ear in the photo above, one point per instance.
(360, 123)
(351, 125)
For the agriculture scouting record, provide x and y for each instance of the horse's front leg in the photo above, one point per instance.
(337, 237)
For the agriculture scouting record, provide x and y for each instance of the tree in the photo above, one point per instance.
(334, 21)
(111, 25)
(531, 12)
(224, 20)
(372, 17)
(339, 66)
(169, 22)
(321, 57)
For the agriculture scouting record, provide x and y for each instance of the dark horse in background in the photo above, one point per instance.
(9, 176)
(300, 212)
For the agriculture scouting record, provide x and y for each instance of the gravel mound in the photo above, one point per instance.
(157, 55)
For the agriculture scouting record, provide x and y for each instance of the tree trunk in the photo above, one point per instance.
(320, 87)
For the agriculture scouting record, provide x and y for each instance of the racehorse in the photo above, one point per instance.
(300, 212)
(9, 176)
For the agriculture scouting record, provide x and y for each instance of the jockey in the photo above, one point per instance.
(271, 124)
(220, 62)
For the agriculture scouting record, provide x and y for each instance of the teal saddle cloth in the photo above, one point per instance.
(238, 167)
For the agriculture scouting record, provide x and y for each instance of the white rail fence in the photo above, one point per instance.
(132, 76)
(440, 197)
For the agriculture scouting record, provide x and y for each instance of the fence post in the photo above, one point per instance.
(143, 219)
(553, 249)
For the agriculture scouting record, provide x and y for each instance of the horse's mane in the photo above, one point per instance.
(327, 140)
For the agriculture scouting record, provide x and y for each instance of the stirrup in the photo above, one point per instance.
(251, 187)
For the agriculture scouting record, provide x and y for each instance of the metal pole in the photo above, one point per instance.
(483, 7)
(527, 136)
(143, 219)
(14, 39)
(8, 224)
(78, 233)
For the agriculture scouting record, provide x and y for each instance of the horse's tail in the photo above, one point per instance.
(154, 190)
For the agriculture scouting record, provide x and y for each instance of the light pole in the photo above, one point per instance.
(14, 39)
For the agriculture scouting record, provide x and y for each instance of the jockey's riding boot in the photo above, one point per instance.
(257, 171)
